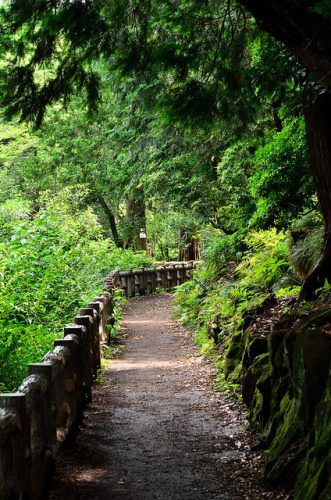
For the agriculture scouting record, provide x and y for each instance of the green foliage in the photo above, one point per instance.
(199, 129)
(234, 170)
(186, 120)
(218, 250)
(50, 265)
(213, 304)
(164, 228)
(282, 184)
(265, 262)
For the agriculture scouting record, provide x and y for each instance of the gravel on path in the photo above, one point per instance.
(156, 428)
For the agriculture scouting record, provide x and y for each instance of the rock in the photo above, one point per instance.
(286, 382)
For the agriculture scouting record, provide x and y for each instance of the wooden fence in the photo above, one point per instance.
(145, 281)
(47, 409)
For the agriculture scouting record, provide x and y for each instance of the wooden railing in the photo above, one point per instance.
(47, 409)
(145, 281)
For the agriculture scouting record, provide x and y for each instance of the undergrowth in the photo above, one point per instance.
(224, 289)
(51, 264)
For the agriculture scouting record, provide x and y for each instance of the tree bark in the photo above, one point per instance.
(318, 126)
(111, 220)
(189, 249)
(136, 218)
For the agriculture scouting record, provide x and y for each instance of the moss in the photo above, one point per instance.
(254, 347)
(299, 428)
(235, 375)
(251, 377)
(234, 352)
(323, 426)
(314, 480)
(310, 479)
(326, 493)
(257, 410)
(285, 450)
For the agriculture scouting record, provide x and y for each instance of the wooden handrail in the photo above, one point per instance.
(46, 411)
(148, 280)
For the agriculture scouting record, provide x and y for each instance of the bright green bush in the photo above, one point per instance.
(265, 262)
(218, 250)
(50, 265)
(216, 304)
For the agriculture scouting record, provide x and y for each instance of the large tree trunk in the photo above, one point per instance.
(111, 220)
(307, 35)
(318, 126)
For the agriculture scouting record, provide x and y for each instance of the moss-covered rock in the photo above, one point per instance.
(314, 479)
(286, 448)
(288, 390)
(252, 374)
(283, 361)
(234, 352)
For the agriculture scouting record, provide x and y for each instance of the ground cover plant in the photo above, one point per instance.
(214, 303)
(270, 350)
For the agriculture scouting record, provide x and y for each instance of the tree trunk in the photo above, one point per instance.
(111, 220)
(305, 33)
(318, 126)
(136, 221)
(189, 248)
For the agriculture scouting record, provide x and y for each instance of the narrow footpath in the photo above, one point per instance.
(156, 428)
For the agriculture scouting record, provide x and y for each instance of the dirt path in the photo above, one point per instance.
(156, 429)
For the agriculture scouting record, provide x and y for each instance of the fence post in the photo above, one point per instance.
(170, 276)
(149, 280)
(95, 343)
(98, 307)
(130, 283)
(136, 281)
(86, 321)
(15, 451)
(70, 393)
(123, 282)
(104, 312)
(43, 432)
(76, 333)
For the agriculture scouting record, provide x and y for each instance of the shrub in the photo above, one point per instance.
(49, 267)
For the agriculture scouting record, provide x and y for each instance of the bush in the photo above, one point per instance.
(282, 184)
(218, 250)
(49, 267)
(215, 304)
